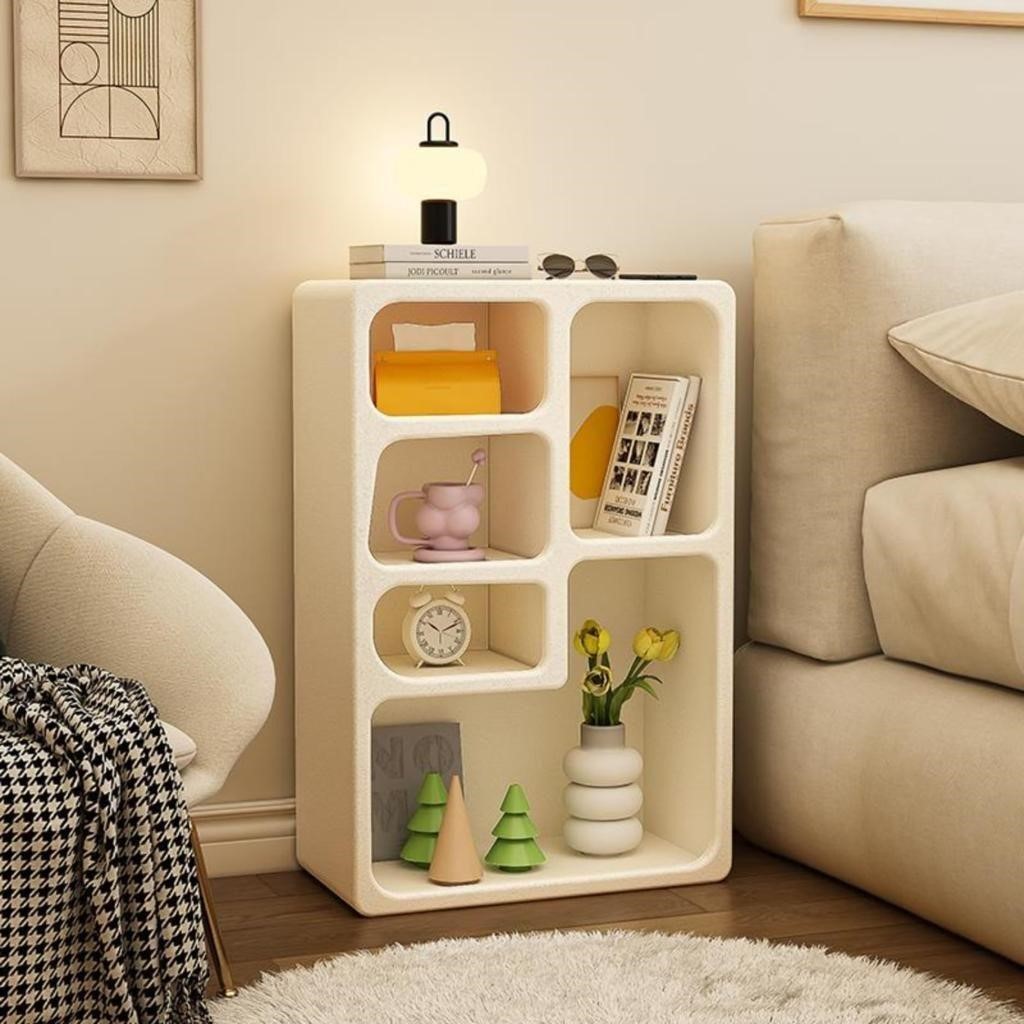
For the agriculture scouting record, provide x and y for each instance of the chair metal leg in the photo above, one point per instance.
(214, 941)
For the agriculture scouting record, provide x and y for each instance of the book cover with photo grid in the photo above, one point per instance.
(648, 429)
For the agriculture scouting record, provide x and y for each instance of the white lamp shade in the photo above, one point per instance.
(442, 172)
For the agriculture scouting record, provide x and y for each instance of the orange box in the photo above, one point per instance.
(436, 383)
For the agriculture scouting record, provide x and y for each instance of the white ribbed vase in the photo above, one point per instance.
(602, 796)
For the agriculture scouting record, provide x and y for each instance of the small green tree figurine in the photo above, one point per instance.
(426, 821)
(515, 847)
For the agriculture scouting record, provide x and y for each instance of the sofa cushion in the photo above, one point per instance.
(974, 351)
(183, 747)
(943, 565)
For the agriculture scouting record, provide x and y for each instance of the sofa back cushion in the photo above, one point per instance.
(836, 410)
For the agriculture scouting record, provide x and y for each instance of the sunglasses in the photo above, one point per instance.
(556, 264)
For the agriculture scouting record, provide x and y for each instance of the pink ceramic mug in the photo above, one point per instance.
(449, 517)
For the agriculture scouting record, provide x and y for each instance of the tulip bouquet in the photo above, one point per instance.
(602, 699)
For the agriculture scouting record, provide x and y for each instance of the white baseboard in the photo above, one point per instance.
(250, 838)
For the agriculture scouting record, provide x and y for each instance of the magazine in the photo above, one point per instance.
(647, 457)
(675, 466)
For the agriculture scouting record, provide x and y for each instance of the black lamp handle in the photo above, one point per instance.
(430, 140)
(447, 126)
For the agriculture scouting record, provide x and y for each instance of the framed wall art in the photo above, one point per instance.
(966, 12)
(107, 89)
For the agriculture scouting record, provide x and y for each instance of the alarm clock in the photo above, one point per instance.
(436, 631)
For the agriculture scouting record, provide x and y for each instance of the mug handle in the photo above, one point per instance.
(417, 542)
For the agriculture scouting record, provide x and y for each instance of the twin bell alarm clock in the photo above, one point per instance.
(436, 631)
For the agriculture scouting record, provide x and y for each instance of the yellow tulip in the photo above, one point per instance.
(647, 644)
(670, 642)
(598, 681)
(592, 640)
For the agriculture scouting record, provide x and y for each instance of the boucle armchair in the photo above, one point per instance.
(74, 590)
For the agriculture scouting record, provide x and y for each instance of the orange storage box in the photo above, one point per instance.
(436, 383)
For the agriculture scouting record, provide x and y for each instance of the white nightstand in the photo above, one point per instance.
(517, 696)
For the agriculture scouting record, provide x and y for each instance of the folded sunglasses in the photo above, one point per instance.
(556, 264)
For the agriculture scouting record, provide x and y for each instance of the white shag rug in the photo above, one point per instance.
(606, 978)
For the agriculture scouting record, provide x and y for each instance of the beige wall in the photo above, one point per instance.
(145, 327)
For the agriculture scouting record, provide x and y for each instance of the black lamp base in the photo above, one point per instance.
(438, 222)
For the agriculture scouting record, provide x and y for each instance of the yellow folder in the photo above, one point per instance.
(436, 383)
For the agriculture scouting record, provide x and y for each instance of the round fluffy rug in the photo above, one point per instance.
(606, 978)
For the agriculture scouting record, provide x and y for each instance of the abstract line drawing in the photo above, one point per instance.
(108, 89)
(109, 69)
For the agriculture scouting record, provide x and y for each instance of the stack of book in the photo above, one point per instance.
(440, 262)
(647, 457)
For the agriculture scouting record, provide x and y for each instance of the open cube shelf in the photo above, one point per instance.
(614, 339)
(508, 632)
(514, 519)
(516, 331)
(517, 695)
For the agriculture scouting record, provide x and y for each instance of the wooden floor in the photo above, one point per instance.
(272, 922)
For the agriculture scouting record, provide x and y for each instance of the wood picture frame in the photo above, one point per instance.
(954, 13)
(39, 123)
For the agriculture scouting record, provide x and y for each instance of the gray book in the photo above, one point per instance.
(400, 756)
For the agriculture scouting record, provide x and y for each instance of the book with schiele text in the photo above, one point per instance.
(647, 456)
(358, 254)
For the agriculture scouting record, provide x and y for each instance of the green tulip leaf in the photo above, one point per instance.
(647, 688)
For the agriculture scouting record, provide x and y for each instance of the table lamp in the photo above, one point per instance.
(439, 172)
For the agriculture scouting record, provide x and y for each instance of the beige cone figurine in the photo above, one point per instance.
(455, 859)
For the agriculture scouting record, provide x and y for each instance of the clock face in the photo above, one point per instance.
(440, 633)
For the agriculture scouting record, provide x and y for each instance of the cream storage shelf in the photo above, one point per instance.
(514, 329)
(507, 639)
(517, 695)
(644, 868)
(515, 479)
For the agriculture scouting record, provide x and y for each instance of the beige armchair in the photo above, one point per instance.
(74, 590)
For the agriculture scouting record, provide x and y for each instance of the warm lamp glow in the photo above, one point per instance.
(441, 172)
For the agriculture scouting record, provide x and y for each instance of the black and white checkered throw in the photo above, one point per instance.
(100, 917)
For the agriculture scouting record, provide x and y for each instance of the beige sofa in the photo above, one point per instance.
(902, 780)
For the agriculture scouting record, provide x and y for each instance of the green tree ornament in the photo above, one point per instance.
(515, 847)
(425, 822)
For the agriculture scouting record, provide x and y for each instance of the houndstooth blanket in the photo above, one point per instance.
(100, 920)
